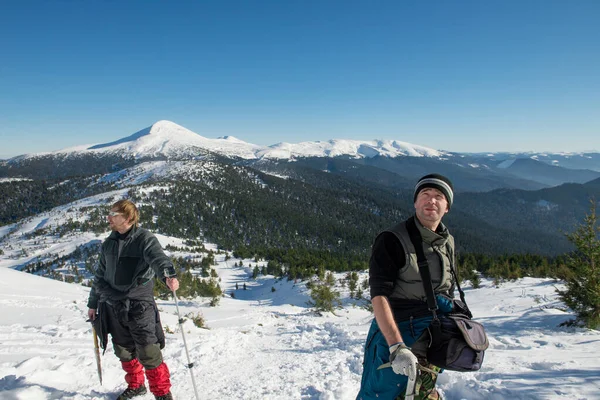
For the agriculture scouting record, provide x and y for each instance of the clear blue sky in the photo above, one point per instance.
(457, 75)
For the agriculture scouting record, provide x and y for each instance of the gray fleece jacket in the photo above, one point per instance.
(127, 267)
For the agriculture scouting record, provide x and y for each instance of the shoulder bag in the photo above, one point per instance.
(457, 342)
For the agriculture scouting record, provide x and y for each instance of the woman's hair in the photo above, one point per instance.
(129, 211)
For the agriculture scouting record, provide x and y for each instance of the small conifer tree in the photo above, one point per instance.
(475, 280)
(582, 293)
(324, 296)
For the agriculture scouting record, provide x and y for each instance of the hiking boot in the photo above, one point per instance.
(167, 396)
(130, 393)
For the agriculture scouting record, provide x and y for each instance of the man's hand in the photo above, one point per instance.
(172, 283)
(91, 314)
(403, 360)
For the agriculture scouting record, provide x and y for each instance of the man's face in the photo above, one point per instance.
(117, 221)
(431, 205)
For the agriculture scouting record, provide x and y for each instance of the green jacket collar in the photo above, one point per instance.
(437, 238)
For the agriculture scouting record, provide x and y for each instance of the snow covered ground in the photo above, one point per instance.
(269, 345)
(264, 344)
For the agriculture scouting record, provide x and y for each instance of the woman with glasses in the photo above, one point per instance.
(121, 301)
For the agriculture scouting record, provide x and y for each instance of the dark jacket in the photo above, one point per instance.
(129, 274)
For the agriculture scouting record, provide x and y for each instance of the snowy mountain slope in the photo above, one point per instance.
(163, 170)
(167, 139)
(530, 357)
(171, 140)
(350, 148)
(52, 234)
(263, 342)
(268, 345)
(37, 238)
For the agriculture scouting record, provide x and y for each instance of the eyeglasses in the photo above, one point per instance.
(114, 213)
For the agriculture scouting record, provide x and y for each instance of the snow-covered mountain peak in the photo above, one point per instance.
(232, 139)
(163, 137)
(166, 138)
(171, 131)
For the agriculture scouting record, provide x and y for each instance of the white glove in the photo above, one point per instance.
(403, 360)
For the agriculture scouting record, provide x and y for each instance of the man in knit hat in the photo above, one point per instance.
(398, 334)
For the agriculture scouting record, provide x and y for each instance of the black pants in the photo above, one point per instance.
(136, 332)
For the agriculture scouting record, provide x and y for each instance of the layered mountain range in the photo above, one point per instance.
(167, 140)
(332, 195)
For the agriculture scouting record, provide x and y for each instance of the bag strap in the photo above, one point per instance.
(417, 241)
(460, 291)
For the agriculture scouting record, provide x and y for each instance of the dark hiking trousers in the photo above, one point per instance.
(133, 327)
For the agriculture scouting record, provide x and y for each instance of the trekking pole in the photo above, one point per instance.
(187, 353)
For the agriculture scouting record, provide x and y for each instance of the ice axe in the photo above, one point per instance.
(411, 385)
(97, 353)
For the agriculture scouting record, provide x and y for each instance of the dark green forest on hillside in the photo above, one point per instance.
(65, 166)
(314, 219)
(24, 198)
(284, 220)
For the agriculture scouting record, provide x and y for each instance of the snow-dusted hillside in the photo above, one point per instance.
(263, 342)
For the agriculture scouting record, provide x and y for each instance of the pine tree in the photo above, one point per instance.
(475, 280)
(324, 296)
(582, 293)
(352, 278)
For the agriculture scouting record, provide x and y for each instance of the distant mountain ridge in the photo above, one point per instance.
(168, 140)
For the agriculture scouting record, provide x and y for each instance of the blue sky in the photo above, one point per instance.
(453, 75)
